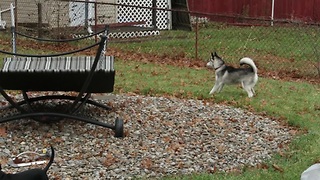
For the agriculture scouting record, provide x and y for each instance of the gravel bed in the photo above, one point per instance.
(163, 137)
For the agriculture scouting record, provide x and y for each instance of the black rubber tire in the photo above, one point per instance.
(118, 127)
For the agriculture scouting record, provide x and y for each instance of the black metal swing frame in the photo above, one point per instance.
(93, 81)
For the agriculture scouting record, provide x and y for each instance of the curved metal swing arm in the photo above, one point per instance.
(11, 101)
(62, 40)
(60, 115)
(50, 55)
(65, 97)
(26, 98)
(99, 54)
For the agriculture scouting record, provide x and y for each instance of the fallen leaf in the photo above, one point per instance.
(3, 132)
(262, 166)
(278, 168)
(110, 160)
(250, 139)
(146, 163)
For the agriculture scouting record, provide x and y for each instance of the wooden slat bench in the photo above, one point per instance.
(57, 73)
(82, 74)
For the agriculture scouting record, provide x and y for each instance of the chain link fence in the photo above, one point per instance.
(280, 48)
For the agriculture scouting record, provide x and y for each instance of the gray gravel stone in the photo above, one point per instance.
(164, 136)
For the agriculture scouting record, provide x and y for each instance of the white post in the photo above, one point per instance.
(272, 13)
(3, 23)
(13, 30)
(169, 15)
(12, 14)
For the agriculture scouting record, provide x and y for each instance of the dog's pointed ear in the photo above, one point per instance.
(212, 54)
(215, 54)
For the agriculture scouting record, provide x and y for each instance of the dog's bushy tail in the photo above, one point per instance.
(250, 62)
(50, 161)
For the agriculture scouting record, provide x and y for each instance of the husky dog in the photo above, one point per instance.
(32, 174)
(248, 77)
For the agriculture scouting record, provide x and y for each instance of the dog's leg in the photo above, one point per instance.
(248, 89)
(220, 87)
(253, 91)
(250, 94)
(215, 88)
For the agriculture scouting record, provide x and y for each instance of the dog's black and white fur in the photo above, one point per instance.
(32, 174)
(247, 77)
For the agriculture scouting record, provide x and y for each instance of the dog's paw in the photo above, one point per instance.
(211, 92)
